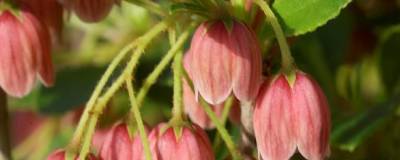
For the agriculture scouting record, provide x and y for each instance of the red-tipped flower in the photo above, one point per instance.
(25, 52)
(225, 58)
(192, 143)
(60, 155)
(287, 117)
(90, 10)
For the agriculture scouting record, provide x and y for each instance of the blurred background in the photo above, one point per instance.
(354, 57)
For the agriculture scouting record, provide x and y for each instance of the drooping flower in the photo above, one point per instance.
(25, 52)
(117, 144)
(287, 117)
(120, 145)
(59, 154)
(195, 112)
(90, 10)
(191, 143)
(225, 58)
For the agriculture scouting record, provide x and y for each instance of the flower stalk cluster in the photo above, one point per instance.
(221, 69)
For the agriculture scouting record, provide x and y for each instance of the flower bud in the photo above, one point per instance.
(90, 10)
(225, 58)
(191, 142)
(290, 115)
(25, 51)
(60, 155)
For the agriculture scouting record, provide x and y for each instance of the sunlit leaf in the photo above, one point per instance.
(301, 16)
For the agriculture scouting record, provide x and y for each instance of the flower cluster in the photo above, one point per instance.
(291, 111)
(186, 142)
(288, 111)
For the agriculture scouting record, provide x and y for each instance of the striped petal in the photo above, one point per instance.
(311, 118)
(272, 118)
(17, 64)
(211, 62)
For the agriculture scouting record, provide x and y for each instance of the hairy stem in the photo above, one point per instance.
(224, 117)
(138, 118)
(94, 111)
(177, 111)
(227, 108)
(76, 140)
(287, 59)
(155, 74)
(222, 131)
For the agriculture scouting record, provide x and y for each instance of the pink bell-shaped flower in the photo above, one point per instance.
(25, 52)
(90, 10)
(117, 144)
(191, 143)
(225, 58)
(292, 115)
(60, 155)
(195, 112)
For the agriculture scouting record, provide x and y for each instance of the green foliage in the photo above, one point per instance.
(351, 132)
(72, 89)
(362, 87)
(299, 17)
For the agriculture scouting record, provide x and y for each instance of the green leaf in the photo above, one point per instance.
(72, 89)
(301, 16)
(350, 133)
